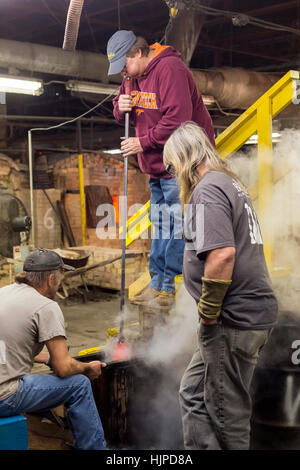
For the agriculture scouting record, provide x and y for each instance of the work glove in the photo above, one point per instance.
(213, 293)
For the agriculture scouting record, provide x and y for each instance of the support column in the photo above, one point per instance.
(3, 122)
(265, 177)
(81, 184)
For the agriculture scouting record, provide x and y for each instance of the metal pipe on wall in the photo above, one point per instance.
(24, 117)
(54, 60)
(32, 212)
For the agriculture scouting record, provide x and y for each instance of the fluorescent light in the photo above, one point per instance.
(276, 135)
(92, 87)
(254, 138)
(112, 152)
(27, 86)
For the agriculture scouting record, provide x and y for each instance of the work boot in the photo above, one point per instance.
(145, 297)
(163, 300)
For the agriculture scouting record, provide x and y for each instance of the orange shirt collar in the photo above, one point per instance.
(158, 48)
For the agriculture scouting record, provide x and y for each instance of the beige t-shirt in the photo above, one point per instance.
(27, 320)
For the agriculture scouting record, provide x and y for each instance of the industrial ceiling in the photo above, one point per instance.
(225, 40)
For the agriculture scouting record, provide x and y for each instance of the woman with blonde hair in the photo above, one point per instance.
(225, 272)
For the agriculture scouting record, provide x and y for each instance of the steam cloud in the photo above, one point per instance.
(282, 218)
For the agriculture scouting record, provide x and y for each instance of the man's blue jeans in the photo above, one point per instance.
(166, 253)
(43, 392)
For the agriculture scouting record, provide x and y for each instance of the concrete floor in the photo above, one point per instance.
(87, 323)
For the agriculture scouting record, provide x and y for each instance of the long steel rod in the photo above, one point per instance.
(124, 223)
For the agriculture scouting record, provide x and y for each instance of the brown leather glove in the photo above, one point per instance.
(213, 293)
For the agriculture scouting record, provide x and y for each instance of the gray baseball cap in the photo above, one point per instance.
(45, 260)
(117, 47)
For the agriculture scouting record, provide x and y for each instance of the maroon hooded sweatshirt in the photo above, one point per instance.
(163, 98)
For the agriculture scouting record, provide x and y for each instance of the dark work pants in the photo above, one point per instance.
(214, 394)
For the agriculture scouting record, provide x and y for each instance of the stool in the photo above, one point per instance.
(13, 433)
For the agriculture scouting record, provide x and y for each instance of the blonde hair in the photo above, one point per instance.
(187, 149)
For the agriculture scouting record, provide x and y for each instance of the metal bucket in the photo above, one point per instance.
(138, 405)
(276, 389)
(79, 262)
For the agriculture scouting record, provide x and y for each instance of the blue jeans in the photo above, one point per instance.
(167, 247)
(215, 389)
(43, 392)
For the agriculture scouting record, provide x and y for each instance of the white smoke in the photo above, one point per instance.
(282, 218)
(162, 360)
(176, 337)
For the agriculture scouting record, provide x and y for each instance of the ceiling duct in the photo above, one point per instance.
(184, 28)
(72, 25)
(234, 87)
(184, 33)
(54, 60)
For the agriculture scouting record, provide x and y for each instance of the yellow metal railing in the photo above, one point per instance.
(258, 118)
(137, 224)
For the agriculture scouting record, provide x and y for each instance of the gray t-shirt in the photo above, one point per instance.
(27, 320)
(221, 214)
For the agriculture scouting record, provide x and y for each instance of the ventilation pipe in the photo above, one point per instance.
(233, 87)
(184, 28)
(54, 60)
(72, 25)
(185, 31)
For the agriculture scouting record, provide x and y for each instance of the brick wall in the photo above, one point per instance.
(102, 171)
(48, 230)
(97, 171)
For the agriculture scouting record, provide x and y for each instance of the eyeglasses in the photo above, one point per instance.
(170, 169)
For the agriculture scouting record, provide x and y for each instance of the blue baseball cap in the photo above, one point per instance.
(117, 48)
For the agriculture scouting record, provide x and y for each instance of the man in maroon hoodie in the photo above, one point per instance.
(163, 96)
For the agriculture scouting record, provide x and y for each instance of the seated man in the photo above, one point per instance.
(29, 318)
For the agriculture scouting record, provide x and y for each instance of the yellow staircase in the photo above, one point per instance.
(257, 119)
